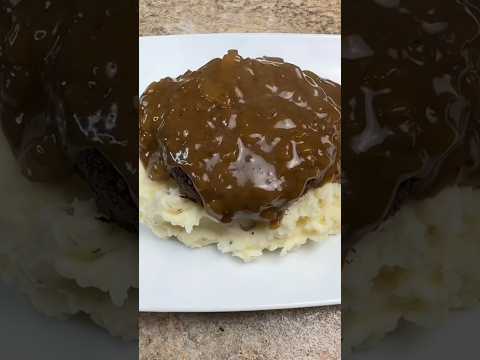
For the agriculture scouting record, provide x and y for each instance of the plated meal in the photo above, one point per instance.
(243, 153)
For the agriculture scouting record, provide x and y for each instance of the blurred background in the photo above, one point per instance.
(410, 198)
(68, 152)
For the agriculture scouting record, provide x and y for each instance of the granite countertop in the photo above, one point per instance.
(297, 334)
(288, 334)
(159, 17)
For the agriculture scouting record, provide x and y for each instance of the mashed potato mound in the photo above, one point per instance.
(314, 216)
(421, 264)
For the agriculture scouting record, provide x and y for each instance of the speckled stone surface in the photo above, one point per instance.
(206, 16)
(284, 335)
(273, 335)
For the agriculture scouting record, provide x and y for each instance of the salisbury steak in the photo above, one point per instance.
(243, 137)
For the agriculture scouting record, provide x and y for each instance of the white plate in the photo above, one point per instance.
(174, 278)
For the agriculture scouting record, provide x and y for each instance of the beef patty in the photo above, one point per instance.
(242, 137)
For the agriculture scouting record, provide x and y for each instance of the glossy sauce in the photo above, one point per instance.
(243, 137)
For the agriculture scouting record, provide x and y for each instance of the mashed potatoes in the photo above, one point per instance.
(315, 216)
(418, 266)
(66, 261)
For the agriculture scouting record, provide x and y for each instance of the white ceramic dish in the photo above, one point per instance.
(174, 278)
